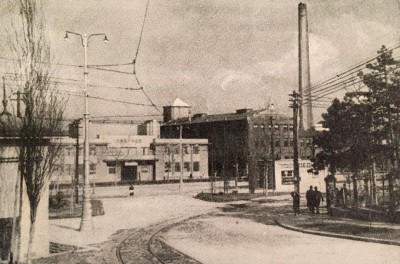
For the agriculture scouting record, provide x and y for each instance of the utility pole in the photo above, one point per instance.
(295, 105)
(272, 148)
(181, 153)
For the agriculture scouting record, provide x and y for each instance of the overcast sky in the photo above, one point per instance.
(216, 55)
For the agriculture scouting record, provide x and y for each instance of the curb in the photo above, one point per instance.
(328, 234)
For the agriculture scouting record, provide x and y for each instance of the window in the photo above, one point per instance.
(286, 142)
(93, 151)
(177, 167)
(186, 166)
(80, 169)
(167, 167)
(291, 142)
(186, 149)
(68, 152)
(112, 151)
(285, 127)
(145, 151)
(167, 150)
(277, 142)
(196, 150)
(111, 170)
(287, 177)
(92, 168)
(196, 166)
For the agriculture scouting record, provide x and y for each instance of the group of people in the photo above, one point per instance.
(314, 198)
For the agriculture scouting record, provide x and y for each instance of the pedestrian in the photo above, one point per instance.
(296, 202)
(317, 199)
(344, 195)
(131, 190)
(310, 199)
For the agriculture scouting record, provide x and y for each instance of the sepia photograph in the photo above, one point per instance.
(200, 131)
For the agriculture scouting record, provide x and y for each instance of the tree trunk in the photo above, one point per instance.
(15, 221)
(31, 236)
(391, 196)
(21, 192)
(355, 189)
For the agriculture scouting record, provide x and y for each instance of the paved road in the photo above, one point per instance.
(231, 240)
(217, 237)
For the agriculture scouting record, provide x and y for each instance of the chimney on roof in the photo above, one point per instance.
(199, 115)
(243, 110)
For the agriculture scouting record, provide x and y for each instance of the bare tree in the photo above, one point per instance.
(42, 121)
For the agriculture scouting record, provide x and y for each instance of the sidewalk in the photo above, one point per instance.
(339, 227)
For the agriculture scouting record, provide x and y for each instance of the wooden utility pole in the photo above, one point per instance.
(272, 156)
(295, 105)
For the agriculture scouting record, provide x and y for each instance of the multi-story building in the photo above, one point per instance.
(136, 157)
(181, 157)
(245, 143)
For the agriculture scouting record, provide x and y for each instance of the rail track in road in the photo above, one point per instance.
(147, 246)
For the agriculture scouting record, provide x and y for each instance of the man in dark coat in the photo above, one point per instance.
(296, 202)
(317, 199)
(310, 199)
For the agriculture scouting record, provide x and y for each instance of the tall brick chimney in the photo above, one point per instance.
(304, 67)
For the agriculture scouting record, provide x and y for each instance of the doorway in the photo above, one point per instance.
(129, 173)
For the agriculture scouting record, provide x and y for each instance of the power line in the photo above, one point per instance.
(117, 101)
(123, 116)
(352, 70)
(140, 38)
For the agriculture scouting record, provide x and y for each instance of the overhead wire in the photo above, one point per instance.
(334, 85)
(351, 69)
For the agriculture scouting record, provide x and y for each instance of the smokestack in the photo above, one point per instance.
(304, 67)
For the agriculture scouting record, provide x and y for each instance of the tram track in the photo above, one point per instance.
(147, 246)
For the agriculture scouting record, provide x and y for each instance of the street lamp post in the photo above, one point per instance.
(86, 221)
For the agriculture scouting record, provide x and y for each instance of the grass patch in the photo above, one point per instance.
(228, 197)
(61, 208)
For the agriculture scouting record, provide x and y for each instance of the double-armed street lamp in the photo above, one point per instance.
(86, 221)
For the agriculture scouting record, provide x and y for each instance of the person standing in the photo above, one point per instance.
(296, 202)
(310, 199)
(317, 199)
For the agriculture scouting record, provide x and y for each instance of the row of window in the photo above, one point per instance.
(185, 149)
(287, 142)
(276, 127)
(69, 169)
(113, 151)
(186, 166)
(70, 151)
